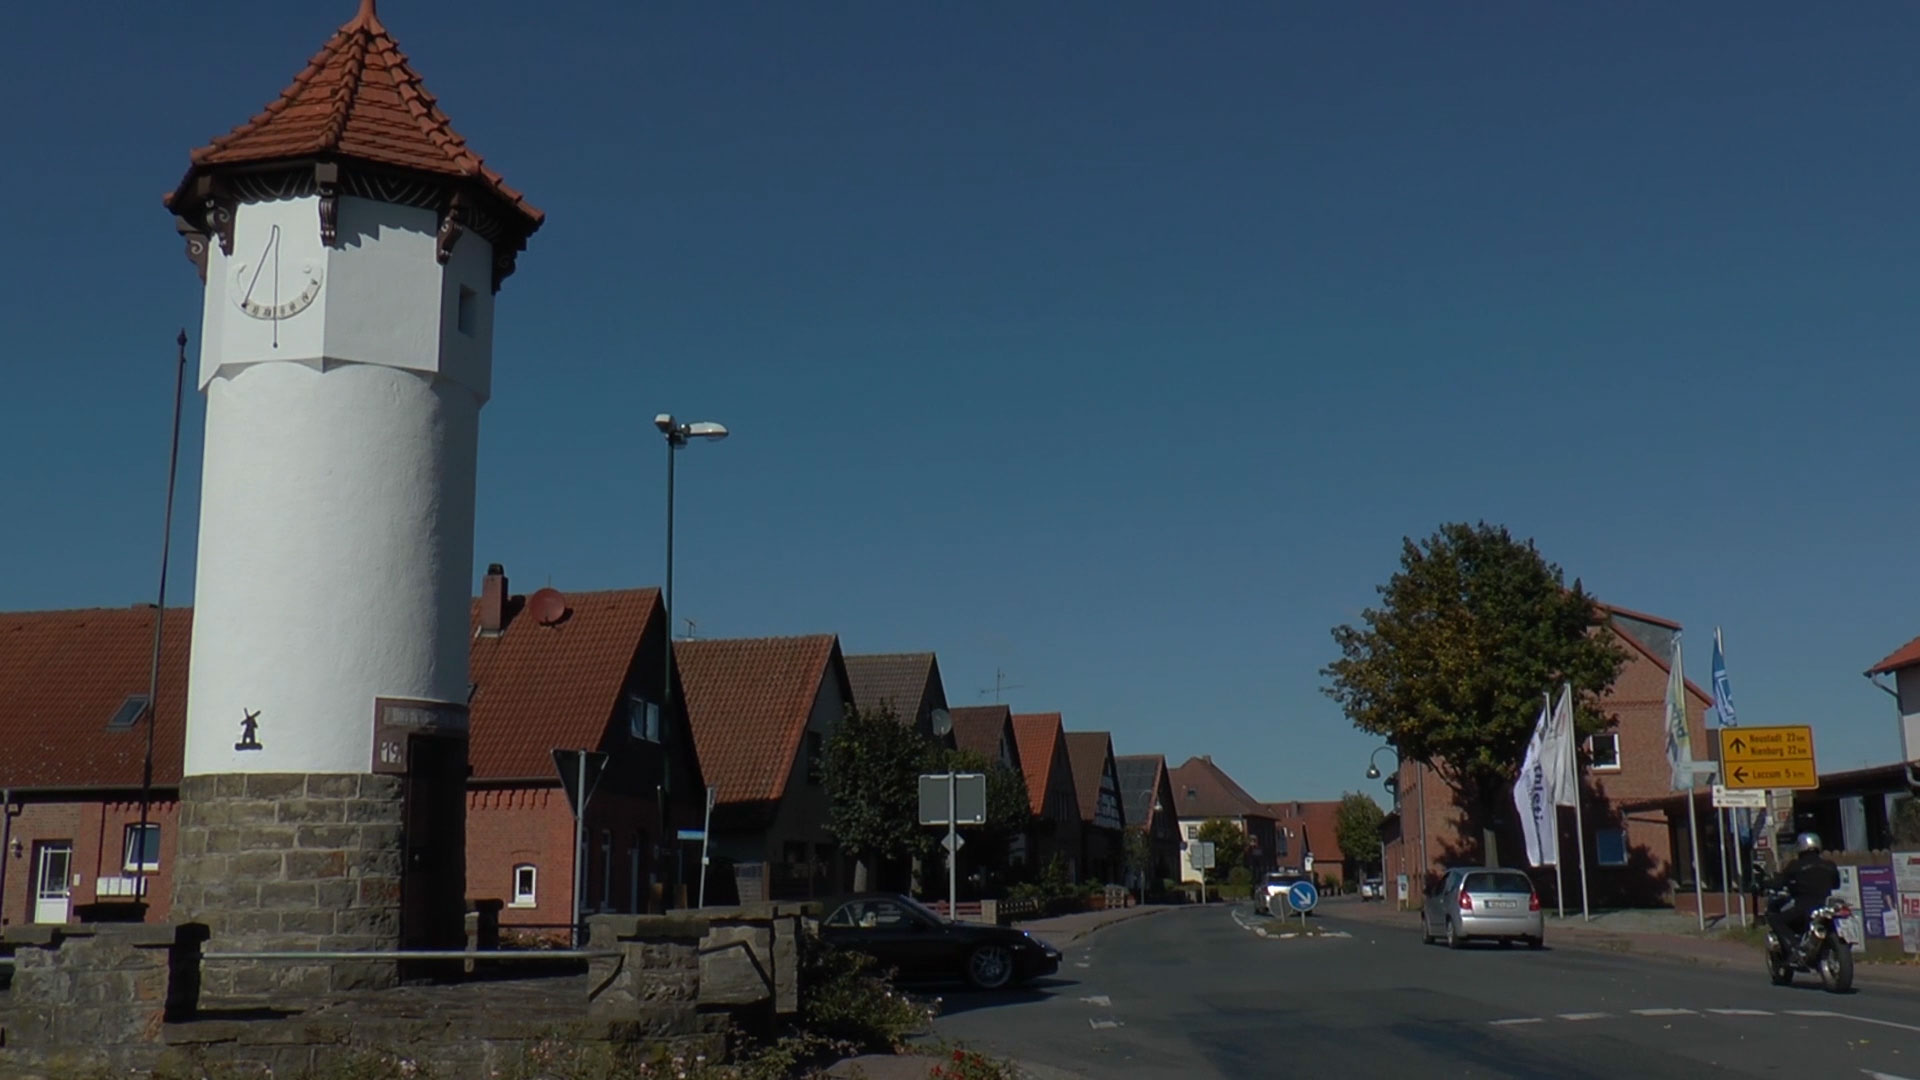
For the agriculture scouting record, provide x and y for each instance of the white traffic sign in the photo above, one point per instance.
(1725, 798)
(967, 797)
(1202, 854)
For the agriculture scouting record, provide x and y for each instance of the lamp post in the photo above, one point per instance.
(1392, 784)
(677, 435)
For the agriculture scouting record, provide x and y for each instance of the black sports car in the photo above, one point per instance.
(905, 935)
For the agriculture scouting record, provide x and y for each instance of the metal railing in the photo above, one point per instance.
(417, 954)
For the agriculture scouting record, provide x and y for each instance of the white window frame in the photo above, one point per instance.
(530, 896)
(126, 848)
(1595, 764)
(1625, 854)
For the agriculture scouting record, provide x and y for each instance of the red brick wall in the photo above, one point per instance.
(507, 827)
(97, 832)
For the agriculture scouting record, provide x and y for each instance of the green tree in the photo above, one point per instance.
(1906, 821)
(1230, 846)
(1357, 823)
(1450, 668)
(872, 775)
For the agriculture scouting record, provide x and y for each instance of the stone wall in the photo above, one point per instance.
(94, 995)
(291, 861)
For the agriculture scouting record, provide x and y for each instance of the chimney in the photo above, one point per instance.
(493, 600)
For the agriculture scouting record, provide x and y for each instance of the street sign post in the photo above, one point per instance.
(580, 772)
(953, 799)
(706, 829)
(1755, 758)
(1303, 897)
(1201, 856)
(1725, 798)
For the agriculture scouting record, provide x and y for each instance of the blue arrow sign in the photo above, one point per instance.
(1303, 896)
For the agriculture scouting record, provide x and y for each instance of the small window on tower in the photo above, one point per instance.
(469, 311)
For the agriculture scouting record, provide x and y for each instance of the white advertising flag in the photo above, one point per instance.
(1534, 801)
(1564, 770)
(1679, 737)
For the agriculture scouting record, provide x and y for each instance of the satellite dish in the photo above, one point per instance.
(547, 606)
(942, 723)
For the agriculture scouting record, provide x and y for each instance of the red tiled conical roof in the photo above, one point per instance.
(359, 99)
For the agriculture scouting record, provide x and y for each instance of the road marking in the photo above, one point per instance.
(1849, 1016)
(1101, 1000)
(1585, 1016)
(1102, 1025)
(1081, 964)
(1740, 1012)
(1516, 1020)
(1881, 1076)
(1664, 1012)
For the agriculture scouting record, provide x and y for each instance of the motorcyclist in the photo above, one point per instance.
(1808, 881)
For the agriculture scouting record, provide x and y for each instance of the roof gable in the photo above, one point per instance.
(748, 702)
(1651, 637)
(1090, 754)
(539, 687)
(1316, 823)
(985, 730)
(63, 675)
(908, 683)
(1038, 737)
(1141, 777)
(1202, 789)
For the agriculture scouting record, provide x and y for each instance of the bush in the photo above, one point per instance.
(1240, 878)
(848, 1002)
(965, 1064)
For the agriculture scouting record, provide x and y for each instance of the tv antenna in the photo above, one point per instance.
(689, 635)
(1000, 685)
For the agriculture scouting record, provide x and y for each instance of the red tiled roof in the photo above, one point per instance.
(541, 687)
(63, 675)
(979, 729)
(1905, 656)
(1035, 735)
(359, 99)
(1088, 753)
(1203, 789)
(748, 701)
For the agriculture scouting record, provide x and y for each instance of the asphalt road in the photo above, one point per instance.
(1198, 993)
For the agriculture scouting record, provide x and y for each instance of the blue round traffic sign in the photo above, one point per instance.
(1303, 896)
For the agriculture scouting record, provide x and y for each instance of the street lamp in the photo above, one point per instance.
(677, 435)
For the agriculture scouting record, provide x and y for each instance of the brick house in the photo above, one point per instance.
(1637, 848)
(1311, 828)
(1203, 791)
(762, 710)
(588, 680)
(907, 683)
(1103, 822)
(1903, 666)
(1146, 797)
(73, 694)
(987, 731)
(1052, 798)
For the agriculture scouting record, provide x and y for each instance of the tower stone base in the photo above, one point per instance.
(293, 862)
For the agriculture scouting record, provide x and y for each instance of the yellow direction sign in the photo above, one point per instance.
(1768, 757)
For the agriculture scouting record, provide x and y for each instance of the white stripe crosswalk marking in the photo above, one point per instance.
(1585, 1016)
(1871, 1075)
(1665, 1012)
(1740, 1012)
(1516, 1020)
(1101, 1000)
(1101, 1025)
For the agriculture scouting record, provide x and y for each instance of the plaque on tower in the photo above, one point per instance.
(394, 719)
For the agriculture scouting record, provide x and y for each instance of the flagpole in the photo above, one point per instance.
(1693, 836)
(1580, 836)
(1559, 884)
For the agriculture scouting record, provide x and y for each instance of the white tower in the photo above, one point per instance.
(351, 246)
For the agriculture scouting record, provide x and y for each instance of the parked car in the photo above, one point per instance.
(1481, 902)
(918, 944)
(1372, 889)
(1270, 896)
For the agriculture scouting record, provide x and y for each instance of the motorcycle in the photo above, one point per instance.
(1821, 950)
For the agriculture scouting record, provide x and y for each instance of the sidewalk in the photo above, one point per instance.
(1656, 933)
(1061, 931)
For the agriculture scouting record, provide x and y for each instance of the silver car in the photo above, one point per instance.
(1480, 902)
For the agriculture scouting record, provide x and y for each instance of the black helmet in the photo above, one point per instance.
(1808, 842)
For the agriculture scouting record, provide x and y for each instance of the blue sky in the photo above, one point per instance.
(1112, 345)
